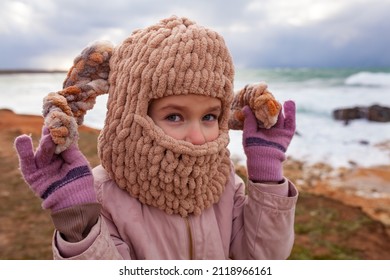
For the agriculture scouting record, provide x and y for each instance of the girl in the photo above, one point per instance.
(166, 188)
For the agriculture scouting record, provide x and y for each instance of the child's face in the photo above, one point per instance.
(193, 118)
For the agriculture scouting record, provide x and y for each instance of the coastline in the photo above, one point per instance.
(29, 71)
(367, 188)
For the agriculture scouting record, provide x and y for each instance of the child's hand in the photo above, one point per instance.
(265, 148)
(61, 180)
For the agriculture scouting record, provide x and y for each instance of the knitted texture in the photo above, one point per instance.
(61, 181)
(174, 57)
(262, 103)
(64, 110)
(265, 148)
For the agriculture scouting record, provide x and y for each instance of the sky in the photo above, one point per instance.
(48, 34)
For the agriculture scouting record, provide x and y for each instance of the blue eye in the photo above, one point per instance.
(210, 117)
(173, 118)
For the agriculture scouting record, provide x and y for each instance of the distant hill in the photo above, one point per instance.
(29, 71)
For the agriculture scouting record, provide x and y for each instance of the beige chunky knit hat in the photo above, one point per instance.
(174, 57)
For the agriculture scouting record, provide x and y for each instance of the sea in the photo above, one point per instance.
(317, 92)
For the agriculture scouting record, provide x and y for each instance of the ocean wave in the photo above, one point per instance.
(370, 79)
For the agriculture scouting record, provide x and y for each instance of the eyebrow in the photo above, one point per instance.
(180, 108)
(172, 106)
(215, 108)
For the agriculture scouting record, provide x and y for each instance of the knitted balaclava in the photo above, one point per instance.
(174, 57)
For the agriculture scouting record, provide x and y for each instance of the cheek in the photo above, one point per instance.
(212, 133)
(172, 132)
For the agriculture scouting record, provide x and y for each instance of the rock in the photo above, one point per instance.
(364, 142)
(347, 114)
(375, 113)
(378, 113)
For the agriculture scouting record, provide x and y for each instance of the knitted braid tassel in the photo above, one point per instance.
(64, 110)
(263, 104)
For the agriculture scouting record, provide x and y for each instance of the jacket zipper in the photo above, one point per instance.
(190, 247)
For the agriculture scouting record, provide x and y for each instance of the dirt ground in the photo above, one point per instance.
(333, 220)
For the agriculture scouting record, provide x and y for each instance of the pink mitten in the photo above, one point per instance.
(265, 148)
(61, 180)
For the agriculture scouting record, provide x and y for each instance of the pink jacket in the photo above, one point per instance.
(259, 225)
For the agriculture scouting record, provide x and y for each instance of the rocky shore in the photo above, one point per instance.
(367, 188)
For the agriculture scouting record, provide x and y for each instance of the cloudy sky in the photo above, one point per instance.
(48, 34)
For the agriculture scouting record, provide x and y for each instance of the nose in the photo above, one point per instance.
(195, 134)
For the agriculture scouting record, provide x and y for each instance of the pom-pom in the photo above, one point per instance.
(261, 101)
(87, 78)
